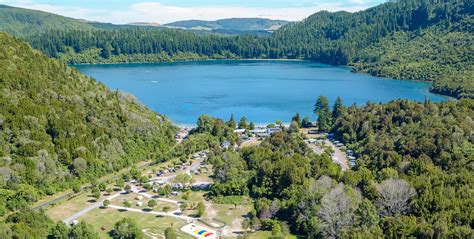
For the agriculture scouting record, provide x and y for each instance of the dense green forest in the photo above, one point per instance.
(413, 176)
(21, 22)
(59, 128)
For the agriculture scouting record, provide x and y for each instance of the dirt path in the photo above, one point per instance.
(234, 229)
(152, 235)
(210, 211)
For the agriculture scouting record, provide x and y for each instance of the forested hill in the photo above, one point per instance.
(238, 24)
(427, 40)
(19, 21)
(59, 128)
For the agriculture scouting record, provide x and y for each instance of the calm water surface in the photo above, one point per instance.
(263, 91)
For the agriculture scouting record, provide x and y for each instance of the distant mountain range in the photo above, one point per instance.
(147, 24)
(234, 24)
(20, 21)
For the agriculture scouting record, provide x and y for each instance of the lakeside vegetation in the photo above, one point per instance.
(424, 40)
(413, 174)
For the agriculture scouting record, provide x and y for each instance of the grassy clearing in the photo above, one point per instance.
(132, 198)
(231, 200)
(228, 213)
(103, 221)
(194, 196)
(69, 206)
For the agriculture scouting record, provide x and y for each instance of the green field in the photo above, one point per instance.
(103, 221)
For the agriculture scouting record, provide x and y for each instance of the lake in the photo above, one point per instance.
(261, 90)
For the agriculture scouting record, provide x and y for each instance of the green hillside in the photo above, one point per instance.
(238, 24)
(59, 128)
(19, 21)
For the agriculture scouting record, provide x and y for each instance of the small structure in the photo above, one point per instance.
(239, 131)
(177, 186)
(199, 231)
(74, 222)
(226, 145)
(139, 203)
(139, 197)
(201, 186)
(259, 132)
(273, 130)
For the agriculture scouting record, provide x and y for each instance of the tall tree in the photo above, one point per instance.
(296, 118)
(321, 109)
(243, 123)
(231, 123)
(394, 196)
(127, 228)
(337, 211)
(337, 108)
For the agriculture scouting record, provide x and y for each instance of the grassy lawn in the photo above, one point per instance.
(228, 213)
(132, 198)
(194, 196)
(68, 207)
(103, 221)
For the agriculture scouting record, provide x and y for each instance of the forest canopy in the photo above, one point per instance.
(60, 128)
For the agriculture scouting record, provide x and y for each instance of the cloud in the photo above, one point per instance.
(162, 13)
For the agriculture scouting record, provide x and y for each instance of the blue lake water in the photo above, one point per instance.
(263, 91)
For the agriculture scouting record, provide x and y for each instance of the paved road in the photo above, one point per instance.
(194, 166)
(168, 178)
(338, 156)
(145, 194)
(83, 188)
(169, 214)
(43, 205)
(90, 207)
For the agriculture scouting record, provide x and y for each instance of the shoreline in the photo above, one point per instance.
(195, 60)
(350, 68)
(257, 125)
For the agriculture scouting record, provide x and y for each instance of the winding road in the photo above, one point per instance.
(176, 213)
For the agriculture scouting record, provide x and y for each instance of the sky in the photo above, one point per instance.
(165, 11)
